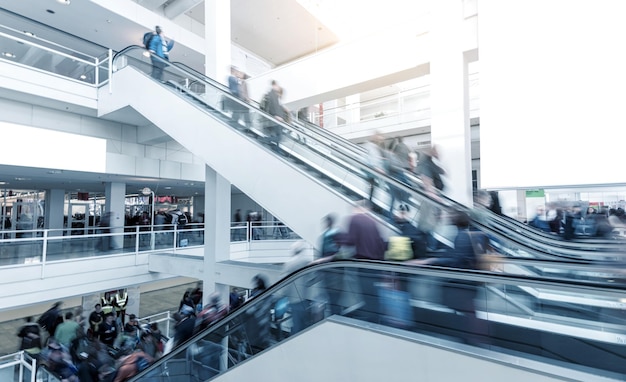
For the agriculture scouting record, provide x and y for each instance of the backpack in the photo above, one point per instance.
(265, 101)
(399, 249)
(141, 363)
(329, 245)
(147, 39)
(181, 218)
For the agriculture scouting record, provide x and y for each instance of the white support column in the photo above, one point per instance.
(450, 125)
(55, 202)
(217, 59)
(353, 109)
(216, 231)
(115, 194)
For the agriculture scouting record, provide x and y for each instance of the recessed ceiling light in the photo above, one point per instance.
(64, 2)
(55, 172)
(168, 188)
(22, 178)
(82, 76)
(4, 182)
(31, 34)
(8, 54)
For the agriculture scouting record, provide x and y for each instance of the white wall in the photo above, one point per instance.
(124, 153)
(335, 352)
(552, 92)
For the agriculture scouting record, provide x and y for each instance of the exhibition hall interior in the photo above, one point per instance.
(281, 184)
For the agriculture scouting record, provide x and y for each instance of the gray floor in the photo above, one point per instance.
(151, 303)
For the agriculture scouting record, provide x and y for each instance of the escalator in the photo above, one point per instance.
(574, 248)
(474, 313)
(308, 173)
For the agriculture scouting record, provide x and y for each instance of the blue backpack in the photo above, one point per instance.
(147, 39)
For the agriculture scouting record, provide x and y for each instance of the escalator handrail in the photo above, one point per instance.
(577, 286)
(328, 135)
(526, 237)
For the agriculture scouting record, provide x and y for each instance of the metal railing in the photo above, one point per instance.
(19, 367)
(24, 49)
(41, 246)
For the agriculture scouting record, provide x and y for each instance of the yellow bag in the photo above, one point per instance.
(399, 249)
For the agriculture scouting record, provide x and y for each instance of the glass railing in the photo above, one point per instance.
(39, 246)
(20, 367)
(583, 330)
(346, 171)
(23, 48)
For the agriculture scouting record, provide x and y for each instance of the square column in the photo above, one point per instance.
(449, 98)
(115, 194)
(217, 58)
(55, 203)
(216, 231)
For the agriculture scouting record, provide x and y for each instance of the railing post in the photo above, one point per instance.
(97, 74)
(136, 243)
(110, 71)
(44, 253)
(175, 237)
(33, 370)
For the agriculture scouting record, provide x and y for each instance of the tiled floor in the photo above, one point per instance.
(151, 303)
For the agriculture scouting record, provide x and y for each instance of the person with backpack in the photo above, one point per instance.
(50, 318)
(160, 47)
(272, 106)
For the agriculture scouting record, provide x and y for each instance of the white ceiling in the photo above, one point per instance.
(278, 31)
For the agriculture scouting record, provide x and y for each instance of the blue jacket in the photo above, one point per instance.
(462, 255)
(156, 46)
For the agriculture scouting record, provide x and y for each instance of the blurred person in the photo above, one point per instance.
(245, 97)
(58, 361)
(332, 280)
(255, 334)
(616, 224)
(148, 344)
(186, 301)
(375, 154)
(396, 162)
(158, 335)
(554, 217)
(364, 235)
(430, 172)
(407, 229)
(275, 109)
(120, 302)
(482, 205)
(214, 311)
(108, 330)
(161, 47)
(66, 331)
(456, 294)
(234, 85)
(328, 243)
(259, 283)
(296, 292)
(159, 225)
(50, 318)
(185, 324)
(540, 221)
(603, 227)
(572, 219)
(132, 364)
(30, 335)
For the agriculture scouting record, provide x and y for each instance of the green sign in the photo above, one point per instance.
(535, 193)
